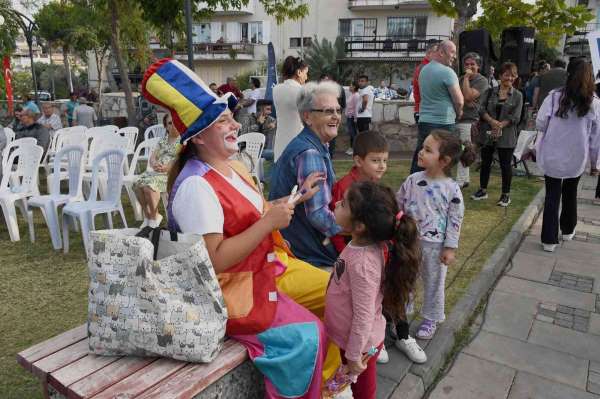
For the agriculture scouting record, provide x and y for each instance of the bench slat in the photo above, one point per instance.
(107, 376)
(194, 378)
(71, 373)
(143, 379)
(60, 359)
(31, 355)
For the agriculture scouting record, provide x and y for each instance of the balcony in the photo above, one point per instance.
(367, 5)
(381, 47)
(243, 10)
(220, 51)
(577, 44)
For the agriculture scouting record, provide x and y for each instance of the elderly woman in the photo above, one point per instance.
(267, 291)
(308, 153)
(153, 182)
(500, 112)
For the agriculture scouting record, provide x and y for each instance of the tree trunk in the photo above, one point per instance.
(52, 86)
(65, 50)
(460, 24)
(100, 67)
(121, 64)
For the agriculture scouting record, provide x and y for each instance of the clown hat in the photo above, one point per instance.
(192, 104)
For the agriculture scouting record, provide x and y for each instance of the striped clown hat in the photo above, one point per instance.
(192, 104)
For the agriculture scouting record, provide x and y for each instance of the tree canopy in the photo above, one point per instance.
(550, 18)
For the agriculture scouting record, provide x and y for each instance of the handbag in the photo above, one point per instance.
(170, 307)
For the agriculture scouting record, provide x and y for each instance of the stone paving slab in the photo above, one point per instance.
(510, 315)
(588, 211)
(531, 267)
(594, 324)
(385, 387)
(531, 386)
(589, 269)
(547, 293)
(585, 346)
(397, 367)
(526, 356)
(472, 377)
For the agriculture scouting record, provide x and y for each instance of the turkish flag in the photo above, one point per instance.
(7, 73)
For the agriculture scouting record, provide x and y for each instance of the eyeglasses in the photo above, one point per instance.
(328, 111)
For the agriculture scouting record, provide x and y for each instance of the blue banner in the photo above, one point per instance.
(271, 76)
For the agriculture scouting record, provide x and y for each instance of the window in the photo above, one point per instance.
(295, 42)
(358, 27)
(407, 26)
(252, 32)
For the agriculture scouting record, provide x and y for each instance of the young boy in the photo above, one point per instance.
(370, 154)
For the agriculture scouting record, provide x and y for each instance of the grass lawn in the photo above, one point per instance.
(44, 293)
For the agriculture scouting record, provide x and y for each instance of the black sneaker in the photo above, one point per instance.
(504, 200)
(479, 195)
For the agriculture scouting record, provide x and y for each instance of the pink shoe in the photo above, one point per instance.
(426, 329)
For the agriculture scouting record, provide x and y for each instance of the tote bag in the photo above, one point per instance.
(170, 307)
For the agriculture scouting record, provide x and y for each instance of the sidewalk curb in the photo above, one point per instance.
(421, 376)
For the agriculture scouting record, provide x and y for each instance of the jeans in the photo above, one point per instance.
(352, 130)
(487, 157)
(598, 188)
(424, 129)
(557, 189)
(363, 124)
(462, 172)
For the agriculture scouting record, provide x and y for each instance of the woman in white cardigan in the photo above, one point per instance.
(289, 124)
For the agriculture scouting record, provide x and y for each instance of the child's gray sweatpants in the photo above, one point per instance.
(433, 273)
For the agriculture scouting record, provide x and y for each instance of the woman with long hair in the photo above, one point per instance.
(570, 120)
(289, 124)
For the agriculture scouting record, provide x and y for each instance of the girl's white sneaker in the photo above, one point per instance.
(383, 356)
(411, 349)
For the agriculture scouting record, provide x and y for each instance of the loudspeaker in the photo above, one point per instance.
(518, 46)
(478, 41)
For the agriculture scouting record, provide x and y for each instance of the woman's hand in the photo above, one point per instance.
(594, 172)
(160, 168)
(311, 186)
(280, 215)
(356, 368)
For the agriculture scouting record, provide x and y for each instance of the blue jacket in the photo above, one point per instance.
(305, 240)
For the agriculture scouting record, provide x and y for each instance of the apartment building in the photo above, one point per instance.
(374, 31)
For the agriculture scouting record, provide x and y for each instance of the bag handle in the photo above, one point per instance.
(155, 239)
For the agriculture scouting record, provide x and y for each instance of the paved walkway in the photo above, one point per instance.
(540, 337)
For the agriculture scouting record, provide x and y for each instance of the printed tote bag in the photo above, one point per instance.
(171, 307)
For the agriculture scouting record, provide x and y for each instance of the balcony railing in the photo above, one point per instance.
(389, 46)
(384, 4)
(587, 29)
(221, 51)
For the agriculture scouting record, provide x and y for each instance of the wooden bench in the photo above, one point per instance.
(66, 368)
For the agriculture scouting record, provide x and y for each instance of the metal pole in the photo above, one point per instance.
(29, 38)
(188, 24)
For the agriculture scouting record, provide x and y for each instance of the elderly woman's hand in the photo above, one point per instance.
(280, 215)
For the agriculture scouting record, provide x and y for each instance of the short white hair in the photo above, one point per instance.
(311, 90)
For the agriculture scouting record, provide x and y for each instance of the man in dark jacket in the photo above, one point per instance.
(30, 128)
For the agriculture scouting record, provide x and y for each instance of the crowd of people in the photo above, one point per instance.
(312, 276)
(376, 243)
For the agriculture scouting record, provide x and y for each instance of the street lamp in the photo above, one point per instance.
(28, 27)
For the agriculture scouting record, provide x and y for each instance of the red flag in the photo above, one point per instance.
(7, 73)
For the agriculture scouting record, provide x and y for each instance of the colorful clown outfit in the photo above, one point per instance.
(274, 301)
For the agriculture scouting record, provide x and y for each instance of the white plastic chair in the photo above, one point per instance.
(10, 135)
(102, 129)
(71, 159)
(152, 132)
(100, 144)
(47, 160)
(145, 146)
(255, 143)
(14, 145)
(110, 164)
(131, 132)
(76, 138)
(19, 184)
